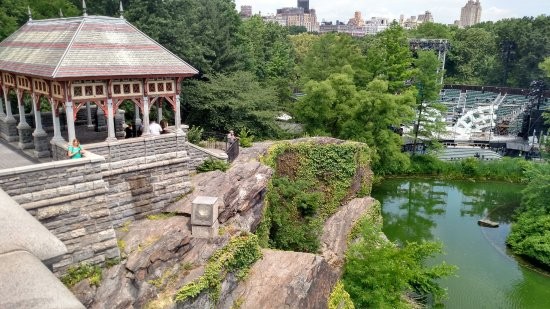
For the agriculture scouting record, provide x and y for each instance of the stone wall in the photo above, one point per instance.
(69, 199)
(142, 186)
(198, 154)
(81, 201)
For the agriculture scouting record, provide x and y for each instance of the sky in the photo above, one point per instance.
(443, 11)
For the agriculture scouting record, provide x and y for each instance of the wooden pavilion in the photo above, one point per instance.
(72, 62)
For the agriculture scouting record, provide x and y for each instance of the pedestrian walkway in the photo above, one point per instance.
(12, 157)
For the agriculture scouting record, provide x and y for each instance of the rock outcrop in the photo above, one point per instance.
(161, 255)
(241, 190)
(334, 241)
(283, 279)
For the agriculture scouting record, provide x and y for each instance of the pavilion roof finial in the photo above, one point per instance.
(29, 12)
(121, 9)
(60, 13)
(84, 12)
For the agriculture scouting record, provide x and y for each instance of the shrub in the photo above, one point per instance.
(194, 135)
(377, 273)
(339, 298)
(245, 138)
(212, 165)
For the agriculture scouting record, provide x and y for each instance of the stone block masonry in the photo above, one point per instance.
(82, 201)
(197, 155)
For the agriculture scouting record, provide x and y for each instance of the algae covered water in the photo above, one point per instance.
(489, 275)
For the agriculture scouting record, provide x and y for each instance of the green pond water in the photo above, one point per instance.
(489, 276)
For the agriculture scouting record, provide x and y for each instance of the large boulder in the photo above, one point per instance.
(334, 241)
(241, 190)
(284, 279)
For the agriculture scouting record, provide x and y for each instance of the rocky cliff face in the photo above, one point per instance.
(161, 255)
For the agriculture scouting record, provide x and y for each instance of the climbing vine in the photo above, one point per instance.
(236, 257)
(311, 182)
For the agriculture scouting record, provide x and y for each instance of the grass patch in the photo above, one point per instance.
(161, 216)
(75, 274)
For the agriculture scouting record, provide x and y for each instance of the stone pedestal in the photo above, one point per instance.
(9, 130)
(41, 145)
(204, 217)
(25, 136)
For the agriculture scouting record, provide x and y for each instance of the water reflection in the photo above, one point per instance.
(420, 202)
(488, 276)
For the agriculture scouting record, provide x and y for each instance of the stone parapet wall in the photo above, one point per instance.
(69, 199)
(82, 201)
(132, 148)
(197, 155)
(143, 186)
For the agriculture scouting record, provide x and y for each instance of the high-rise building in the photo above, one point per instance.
(470, 13)
(357, 20)
(426, 17)
(414, 21)
(246, 11)
(297, 17)
(304, 4)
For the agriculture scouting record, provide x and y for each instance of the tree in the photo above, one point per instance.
(268, 53)
(389, 58)
(428, 111)
(378, 273)
(231, 102)
(472, 57)
(204, 33)
(328, 55)
(370, 119)
(14, 13)
(432, 31)
(530, 235)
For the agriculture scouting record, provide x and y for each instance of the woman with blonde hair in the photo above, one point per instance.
(75, 151)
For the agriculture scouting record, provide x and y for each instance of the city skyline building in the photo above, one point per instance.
(414, 21)
(246, 11)
(304, 4)
(470, 14)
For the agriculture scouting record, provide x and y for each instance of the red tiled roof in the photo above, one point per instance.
(91, 46)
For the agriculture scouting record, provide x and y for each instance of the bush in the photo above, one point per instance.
(377, 273)
(194, 135)
(212, 165)
(245, 138)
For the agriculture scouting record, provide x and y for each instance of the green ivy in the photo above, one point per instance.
(311, 182)
(236, 257)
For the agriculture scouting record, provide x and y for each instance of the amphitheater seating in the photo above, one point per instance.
(459, 153)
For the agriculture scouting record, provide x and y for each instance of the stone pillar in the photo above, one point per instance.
(111, 137)
(41, 147)
(145, 116)
(56, 123)
(25, 130)
(89, 115)
(159, 110)
(178, 115)
(204, 217)
(137, 120)
(10, 134)
(70, 121)
(2, 114)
